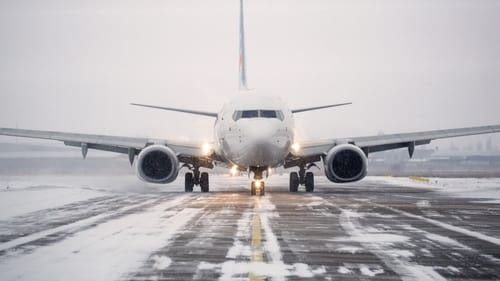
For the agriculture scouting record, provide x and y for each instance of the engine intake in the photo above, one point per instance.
(157, 164)
(345, 163)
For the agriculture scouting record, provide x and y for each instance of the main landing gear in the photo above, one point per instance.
(301, 178)
(258, 187)
(196, 178)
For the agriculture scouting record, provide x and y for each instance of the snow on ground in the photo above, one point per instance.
(480, 188)
(386, 248)
(25, 194)
(16, 202)
(111, 249)
(105, 183)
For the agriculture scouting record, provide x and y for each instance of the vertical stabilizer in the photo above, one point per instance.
(242, 66)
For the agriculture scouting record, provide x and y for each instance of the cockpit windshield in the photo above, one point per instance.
(277, 114)
(249, 114)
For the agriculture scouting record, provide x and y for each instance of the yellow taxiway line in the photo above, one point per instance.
(257, 255)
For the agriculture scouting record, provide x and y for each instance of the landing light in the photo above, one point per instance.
(258, 183)
(295, 147)
(234, 170)
(206, 149)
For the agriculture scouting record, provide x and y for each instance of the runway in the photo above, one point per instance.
(376, 229)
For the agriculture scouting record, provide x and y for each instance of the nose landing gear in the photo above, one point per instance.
(258, 187)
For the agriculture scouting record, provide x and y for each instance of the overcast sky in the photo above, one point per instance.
(406, 65)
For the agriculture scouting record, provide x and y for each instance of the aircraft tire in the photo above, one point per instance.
(309, 182)
(294, 182)
(204, 182)
(188, 182)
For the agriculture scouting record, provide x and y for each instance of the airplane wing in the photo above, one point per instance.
(125, 145)
(387, 142)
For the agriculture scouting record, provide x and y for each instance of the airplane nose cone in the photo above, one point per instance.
(259, 134)
(264, 144)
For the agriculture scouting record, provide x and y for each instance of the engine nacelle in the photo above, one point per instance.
(157, 164)
(345, 163)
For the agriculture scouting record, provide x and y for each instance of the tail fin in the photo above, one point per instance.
(243, 69)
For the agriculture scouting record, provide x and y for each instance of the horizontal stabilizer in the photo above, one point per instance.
(204, 113)
(319, 107)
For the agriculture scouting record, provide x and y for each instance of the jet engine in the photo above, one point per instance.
(157, 164)
(345, 163)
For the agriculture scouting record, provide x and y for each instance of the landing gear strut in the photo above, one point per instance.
(196, 178)
(302, 178)
(258, 187)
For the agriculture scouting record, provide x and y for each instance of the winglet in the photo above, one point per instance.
(242, 62)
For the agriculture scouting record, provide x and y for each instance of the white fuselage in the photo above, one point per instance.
(254, 131)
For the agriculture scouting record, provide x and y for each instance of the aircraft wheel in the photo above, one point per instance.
(309, 182)
(294, 182)
(262, 189)
(253, 189)
(188, 182)
(204, 182)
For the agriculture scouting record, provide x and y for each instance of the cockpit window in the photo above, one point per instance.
(258, 114)
(268, 114)
(249, 114)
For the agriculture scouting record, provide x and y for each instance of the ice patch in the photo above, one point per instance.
(426, 252)
(375, 238)
(365, 270)
(238, 249)
(450, 269)
(231, 269)
(348, 249)
(446, 240)
(423, 204)
(400, 253)
(420, 272)
(344, 270)
(352, 214)
(161, 262)
(314, 204)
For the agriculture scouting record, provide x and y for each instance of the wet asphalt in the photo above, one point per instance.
(358, 231)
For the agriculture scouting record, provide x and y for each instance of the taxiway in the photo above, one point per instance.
(376, 229)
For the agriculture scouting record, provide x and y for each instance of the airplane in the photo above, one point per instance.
(252, 133)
